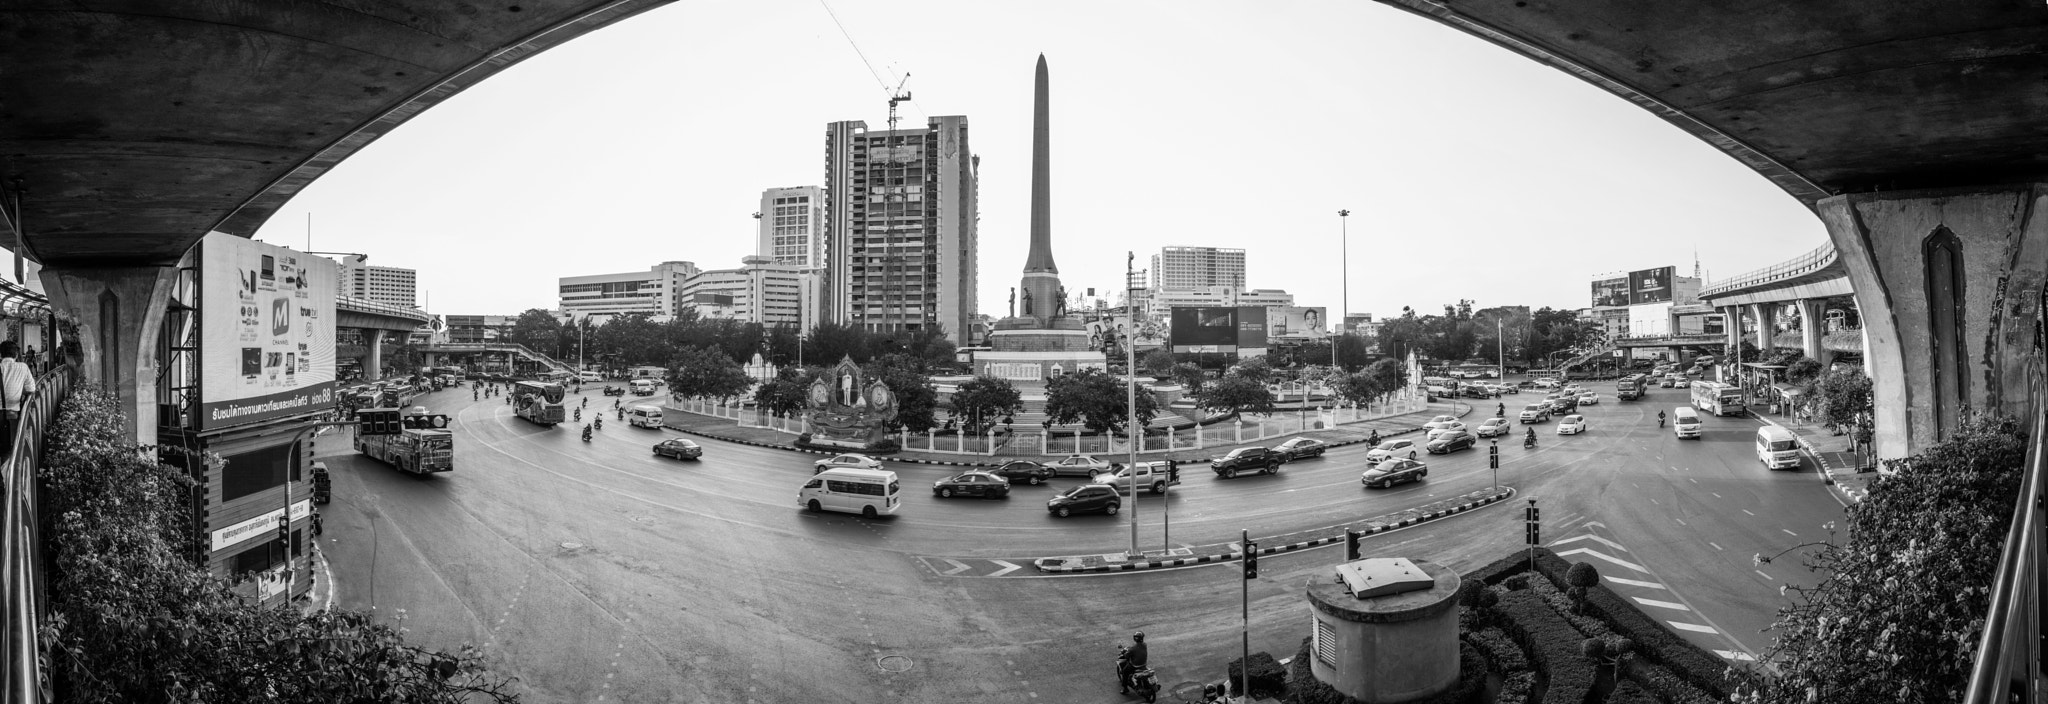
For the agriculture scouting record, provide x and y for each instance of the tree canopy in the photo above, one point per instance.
(1235, 394)
(704, 372)
(981, 402)
(1095, 399)
(916, 401)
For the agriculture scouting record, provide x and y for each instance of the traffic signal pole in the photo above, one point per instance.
(1251, 572)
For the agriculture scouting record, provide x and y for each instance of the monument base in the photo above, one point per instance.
(1033, 356)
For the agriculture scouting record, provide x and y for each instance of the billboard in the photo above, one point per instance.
(1106, 329)
(1649, 320)
(1197, 329)
(1610, 292)
(268, 339)
(1251, 327)
(1650, 285)
(1298, 323)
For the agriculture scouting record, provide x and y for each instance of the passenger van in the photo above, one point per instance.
(643, 387)
(1776, 448)
(868, 492)
(644, 416)
(1685, 422)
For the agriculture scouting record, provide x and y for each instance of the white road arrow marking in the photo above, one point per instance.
(1604, 556)
(1007, 568)
(958, 567)
(1735, 655)
(1694, 627)
(1660, 604)
(1633, 583)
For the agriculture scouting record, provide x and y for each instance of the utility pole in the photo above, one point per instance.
(1344, 276)
(1132, 431)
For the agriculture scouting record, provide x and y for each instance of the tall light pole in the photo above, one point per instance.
(1344, 267)
(1133, 432)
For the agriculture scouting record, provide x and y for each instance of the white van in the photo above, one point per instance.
(644, 416)
(590, 376)
(868, 492)
(1776, 448)
(643, 387)
(1685, 422)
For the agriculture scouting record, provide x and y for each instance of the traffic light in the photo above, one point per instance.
(1251, 560)
(1534, 525)
(1350, 544)
(426, 422)
(1493, 455)
(284, 529)
(377, 421)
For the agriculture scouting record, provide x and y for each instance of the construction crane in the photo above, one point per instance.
(895, 97)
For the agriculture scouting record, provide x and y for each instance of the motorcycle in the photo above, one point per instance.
(600, 423)
(1129, 677)
(1528, 443)
(586, 433)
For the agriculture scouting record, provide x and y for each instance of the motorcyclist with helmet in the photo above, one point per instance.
(1529, 441)
(1660, 419)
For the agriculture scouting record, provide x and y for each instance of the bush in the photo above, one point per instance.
(1268, 677)
(1516, 688)
(1627, 692)
(1551, 643)
(1653, 640)
(133, 619)
(884, 445)
(1304, 688)
(1501, 652)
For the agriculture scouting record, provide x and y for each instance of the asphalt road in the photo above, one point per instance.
(597, 572)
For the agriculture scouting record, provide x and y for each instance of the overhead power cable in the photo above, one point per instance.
(856, 47)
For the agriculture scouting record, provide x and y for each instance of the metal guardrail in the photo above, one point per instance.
(2008, 664)
(364, 305)
(1797, 266)
(22, 572)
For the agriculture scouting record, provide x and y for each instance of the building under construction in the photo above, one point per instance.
(900, 227)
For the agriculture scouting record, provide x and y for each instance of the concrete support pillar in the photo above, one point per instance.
(1813, 314)
(373, 360)
(1766, 315)
(1948, 283)
(120, 316)
(1731, 323)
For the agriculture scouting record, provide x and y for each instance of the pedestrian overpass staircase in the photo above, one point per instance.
(523, 351)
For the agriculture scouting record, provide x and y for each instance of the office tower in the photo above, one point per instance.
(900, 227)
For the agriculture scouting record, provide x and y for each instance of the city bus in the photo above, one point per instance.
(537, 401)
(1716, 398)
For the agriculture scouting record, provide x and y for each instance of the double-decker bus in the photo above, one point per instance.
(1716, 398)
(538, 401)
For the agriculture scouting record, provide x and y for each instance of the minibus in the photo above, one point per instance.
(868, 492)
(1685, 422)
(644, 416)
(1776, 448)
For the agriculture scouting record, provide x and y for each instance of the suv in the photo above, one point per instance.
(1264, 460)
(1156, 475)
(1536, 413)
(1086, 497)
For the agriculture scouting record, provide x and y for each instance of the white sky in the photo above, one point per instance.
(1470, 172)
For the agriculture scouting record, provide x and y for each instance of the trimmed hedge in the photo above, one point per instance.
(1551, 642)
(1304, 688)
(1653, 640)
(1516, 688)
(1501, 651)
(1628, 692)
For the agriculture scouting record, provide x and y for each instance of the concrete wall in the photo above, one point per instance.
(1881, 239)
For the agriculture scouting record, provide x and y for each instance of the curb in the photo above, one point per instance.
(1050, 564)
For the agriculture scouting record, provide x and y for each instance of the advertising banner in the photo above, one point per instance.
(1209, 329)
(1296, 323)
(1649, 320)
(1610, 292)
(267, 346)
(1251, 327)
(1650, 285)
(1104, 329)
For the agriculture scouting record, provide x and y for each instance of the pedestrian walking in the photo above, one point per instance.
(17, 382)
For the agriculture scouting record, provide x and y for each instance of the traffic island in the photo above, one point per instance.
(1118, 562)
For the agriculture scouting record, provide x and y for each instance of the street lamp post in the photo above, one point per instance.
(1344, 277)
(1133, 431)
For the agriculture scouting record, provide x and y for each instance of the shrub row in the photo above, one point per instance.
(1516, 688)
(1304, 688)
(1504, 654)
(1653, 640)
(1628, 692)
(1551, 642)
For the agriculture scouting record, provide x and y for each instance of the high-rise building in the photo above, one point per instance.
(792, 220)
(761, 291)
(1190, 268)
(657, 291)
(378, 284)
(900, 227)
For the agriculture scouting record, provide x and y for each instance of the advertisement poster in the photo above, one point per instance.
(1650, 285)
(1204, 329)
(268, 342)
(1296, 323)
(1251, 328)
(1612, 292)
(1106, 329)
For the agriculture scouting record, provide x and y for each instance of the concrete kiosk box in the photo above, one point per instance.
(1399, 646)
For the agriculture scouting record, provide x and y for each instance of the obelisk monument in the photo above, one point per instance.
(1039, 339)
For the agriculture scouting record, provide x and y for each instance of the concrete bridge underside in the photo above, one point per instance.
(1911, 128)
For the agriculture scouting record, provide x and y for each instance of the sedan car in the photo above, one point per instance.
(983, 484)
(1450, 441)
(1079, 465)
(847, 460)
(1589, 398)
(1301, 447)
(1479, 390)
(1083, 498)
(1395, 471)
(1442, 428)
(1440, 419)
(1509, 388)
(678, 448)
(1025, 471)
(1572, 425)
(1494, 427)
(1389, 449)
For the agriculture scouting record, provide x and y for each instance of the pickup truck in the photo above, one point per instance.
(1154, 475)
(1263, 460)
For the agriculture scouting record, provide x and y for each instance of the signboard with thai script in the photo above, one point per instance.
(267, 342)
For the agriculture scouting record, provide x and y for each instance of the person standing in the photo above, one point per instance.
(17, 383)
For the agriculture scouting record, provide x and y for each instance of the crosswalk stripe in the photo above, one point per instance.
(1604, 556)
(1694, 627)
(1633, 583)
(1660, 604)
(1008, 567)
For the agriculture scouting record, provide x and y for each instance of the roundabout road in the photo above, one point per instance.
(598, 572)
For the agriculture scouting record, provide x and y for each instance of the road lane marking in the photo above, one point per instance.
(1660, 604)
(1690, 479)
(1735, 655)
(1681, 522)
(1765, 576)
(958, 567)
(1008, 567)
(1694, 627)
(1717, 546)
(1654, 501)
(1633, 583)
(1790, 533)
(1715, 495)
(1747, 511)
(1604, 556)
(1592, 537)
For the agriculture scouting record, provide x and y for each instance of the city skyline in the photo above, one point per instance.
(1515, 176)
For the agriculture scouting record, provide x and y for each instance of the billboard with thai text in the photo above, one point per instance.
(1610, 292)
(1650, 285)
(268, 335)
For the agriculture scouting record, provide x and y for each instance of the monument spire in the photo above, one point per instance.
(1040, 258)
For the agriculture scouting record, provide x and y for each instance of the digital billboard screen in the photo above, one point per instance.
(1251, 327)
(1610, 292)
(1196, 329)
(268, 337)
(1296, 322)
(1650, 285)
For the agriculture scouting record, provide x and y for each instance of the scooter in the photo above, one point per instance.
(1529, 442)
(1129, 677)
(586, 433)
(600, 423)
